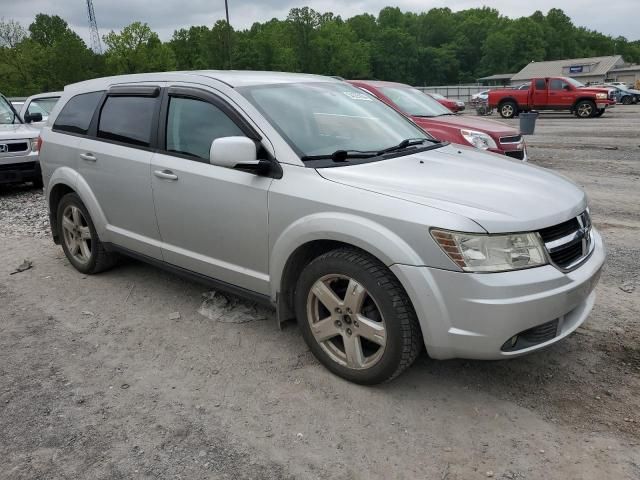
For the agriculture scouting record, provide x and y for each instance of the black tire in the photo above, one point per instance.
(626, 100)
(403, 335)
(508, 109)
(99, 258)
(585, 109)
(600, 112)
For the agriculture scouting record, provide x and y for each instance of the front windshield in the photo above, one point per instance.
(321, 118)
(415, 103)
(43, 106)
(7, 114)
(575, 83)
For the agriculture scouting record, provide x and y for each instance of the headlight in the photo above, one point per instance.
(478, 139)
(34, 145)
(491, 253)
(601, 95)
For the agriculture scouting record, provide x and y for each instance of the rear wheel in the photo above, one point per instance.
(80, 242)
(585, 109)
(508, 109)
(626, 100)
(356, 318)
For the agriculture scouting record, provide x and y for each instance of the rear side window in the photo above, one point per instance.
(540, 84)
(127, 119)
(76, 115)
(193, 124)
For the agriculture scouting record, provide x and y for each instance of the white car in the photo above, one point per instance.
(41, 104)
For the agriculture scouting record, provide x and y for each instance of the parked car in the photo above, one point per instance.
(554, 93)
(18, 148)
(442, 124)
(452, 104)
(309, 194)
(41, 104)
(625, 95)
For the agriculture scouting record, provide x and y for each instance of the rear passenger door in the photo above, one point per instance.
(540, 93)
(213, 220)
(115, 158)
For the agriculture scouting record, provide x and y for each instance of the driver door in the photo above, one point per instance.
(212, 220)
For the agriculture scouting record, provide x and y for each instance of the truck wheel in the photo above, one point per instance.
(356, 318)
(626, 100)
(80, 242)
(508, 109)
(585, 109)
(600, 112)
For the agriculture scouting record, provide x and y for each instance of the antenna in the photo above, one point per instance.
(96, 46)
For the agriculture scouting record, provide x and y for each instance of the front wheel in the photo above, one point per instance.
(508, 109)
(585, 109)
(356, 318)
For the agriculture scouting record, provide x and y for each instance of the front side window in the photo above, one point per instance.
(192, 125)
(7, 113)
(127, 119)
(415, 103)
(76, 115)
(320, 118)
(557, 84)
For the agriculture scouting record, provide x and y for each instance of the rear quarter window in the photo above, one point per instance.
(76, 115)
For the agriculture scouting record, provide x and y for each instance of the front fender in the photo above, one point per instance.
(363, 233)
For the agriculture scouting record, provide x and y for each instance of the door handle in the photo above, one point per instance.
(165, 174)
(89, 157)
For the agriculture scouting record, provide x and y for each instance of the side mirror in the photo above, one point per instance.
(231, 152)
(567, 88)
(32, 117)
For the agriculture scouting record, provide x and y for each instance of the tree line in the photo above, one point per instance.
(429, 48)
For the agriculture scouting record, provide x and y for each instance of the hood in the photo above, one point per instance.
(17, 131)
(470, 122)
(595, 89)
(499, 194)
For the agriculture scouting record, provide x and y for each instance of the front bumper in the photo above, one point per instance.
(466, 315)
(19, 170)
(513, 150)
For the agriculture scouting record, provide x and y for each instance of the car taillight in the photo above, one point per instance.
(39, 144)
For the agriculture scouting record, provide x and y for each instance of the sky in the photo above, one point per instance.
(616, 17)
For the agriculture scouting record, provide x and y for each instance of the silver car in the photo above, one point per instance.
(306, 193)
(36, 109)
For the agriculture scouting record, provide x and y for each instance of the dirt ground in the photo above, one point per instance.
(101, 378)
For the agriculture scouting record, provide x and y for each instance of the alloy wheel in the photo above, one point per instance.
(507, 111)
(76, 233)
(585, 110)
(346, 321)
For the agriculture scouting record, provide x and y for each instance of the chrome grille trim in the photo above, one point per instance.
(571, 250)
(511, 139)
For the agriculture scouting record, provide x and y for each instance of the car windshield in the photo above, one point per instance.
(321, 118)
(43, 106)
(415, 103)
(7, 113)
(573, 82)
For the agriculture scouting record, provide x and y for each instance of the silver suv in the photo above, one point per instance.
(306, 193)
(18, 148)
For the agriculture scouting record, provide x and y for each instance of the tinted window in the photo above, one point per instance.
(76, 115)
(540, 84)
(193, 124)
(127, 119)
(556, 84)
(42, 106)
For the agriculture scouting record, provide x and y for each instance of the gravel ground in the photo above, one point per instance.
(136, 373)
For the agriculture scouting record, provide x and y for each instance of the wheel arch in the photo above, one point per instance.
(583, 99)
(312, 236)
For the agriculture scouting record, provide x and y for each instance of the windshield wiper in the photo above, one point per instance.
(340, 155)
(407, 142)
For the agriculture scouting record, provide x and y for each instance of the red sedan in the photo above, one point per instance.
(442, 124)
(454, 105)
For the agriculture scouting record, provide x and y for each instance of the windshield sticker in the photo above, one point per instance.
(359, 96)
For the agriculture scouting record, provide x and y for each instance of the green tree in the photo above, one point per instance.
(137, 49)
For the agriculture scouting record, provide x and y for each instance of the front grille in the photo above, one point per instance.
(519, 154)
(24, 166)
(511, 139)
(17, 147)
(533, 336)
(568, 242)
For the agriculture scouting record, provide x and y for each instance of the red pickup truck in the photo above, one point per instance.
(552, 93)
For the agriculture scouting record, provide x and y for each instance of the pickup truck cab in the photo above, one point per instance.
(552, 93)
(438, 121)
(18, 148)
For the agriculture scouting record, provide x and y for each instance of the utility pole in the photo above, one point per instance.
(226, 8)
(96, 46)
